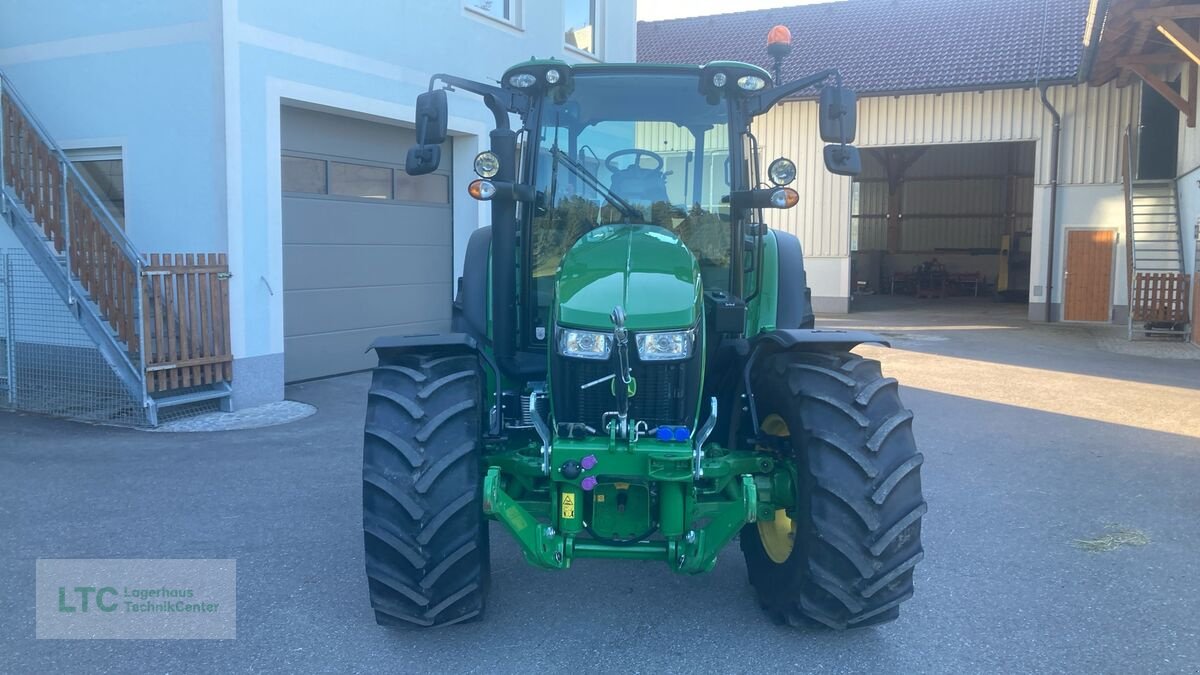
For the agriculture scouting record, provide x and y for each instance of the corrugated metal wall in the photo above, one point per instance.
(822, 217)
(1093, 121)
(666, 137)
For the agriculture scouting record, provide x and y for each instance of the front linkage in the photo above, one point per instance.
(737, 488)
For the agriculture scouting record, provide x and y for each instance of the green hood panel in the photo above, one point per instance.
(643, 268)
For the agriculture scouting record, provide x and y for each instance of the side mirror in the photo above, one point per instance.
(839, 115)
(423, 159)
(431, 117)
(843, 160)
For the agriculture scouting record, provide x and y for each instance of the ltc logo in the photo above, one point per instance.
(66, 601)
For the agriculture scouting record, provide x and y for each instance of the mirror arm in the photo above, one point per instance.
(766, 100)
(499, 101)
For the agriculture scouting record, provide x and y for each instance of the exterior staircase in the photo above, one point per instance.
(1156, 236)
(89, 327)
(1158, 283)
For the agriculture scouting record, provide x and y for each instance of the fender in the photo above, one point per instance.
(811, 339)
(470, 314)
(450, 342)
(787, 338)
(793, 308)
(389, 347)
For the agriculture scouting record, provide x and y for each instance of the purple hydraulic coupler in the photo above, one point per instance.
(588, 483)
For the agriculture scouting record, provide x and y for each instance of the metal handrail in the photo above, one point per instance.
(106, 218)
(1130, 275)
(1128, 171)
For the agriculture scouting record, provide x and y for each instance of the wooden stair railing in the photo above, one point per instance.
(167, 313)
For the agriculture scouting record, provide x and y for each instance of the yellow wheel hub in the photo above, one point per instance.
(778, 536)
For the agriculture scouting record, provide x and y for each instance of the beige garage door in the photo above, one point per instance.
(367, 249)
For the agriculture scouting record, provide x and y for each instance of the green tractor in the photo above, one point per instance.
(633, 371)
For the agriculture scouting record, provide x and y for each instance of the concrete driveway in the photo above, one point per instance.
(1062, 534)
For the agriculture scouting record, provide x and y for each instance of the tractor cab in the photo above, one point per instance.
(666, 149)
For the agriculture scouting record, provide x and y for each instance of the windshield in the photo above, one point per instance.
(645, 148)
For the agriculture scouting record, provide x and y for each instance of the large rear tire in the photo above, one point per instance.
(844, 556)
(424, 530)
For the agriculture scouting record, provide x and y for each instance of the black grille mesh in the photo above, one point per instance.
(661, 397)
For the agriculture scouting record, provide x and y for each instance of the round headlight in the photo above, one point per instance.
(552, 76)
(751, 82)
(781, 172)
(718, 79)
(522, 80)
(487, 164)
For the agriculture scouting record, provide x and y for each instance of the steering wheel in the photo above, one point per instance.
(638, 153)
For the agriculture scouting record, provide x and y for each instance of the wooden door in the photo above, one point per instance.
(1087, 288)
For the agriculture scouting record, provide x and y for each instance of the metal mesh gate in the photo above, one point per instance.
(49, 364)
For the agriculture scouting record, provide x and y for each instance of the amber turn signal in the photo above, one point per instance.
(784, 198)
(483, 190)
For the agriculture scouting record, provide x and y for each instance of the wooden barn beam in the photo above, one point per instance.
(1155, 59)
(1180, 38)
(897, 162)
(1192, 77)
(1187, 106)
(1136, 44)
(1168, 12)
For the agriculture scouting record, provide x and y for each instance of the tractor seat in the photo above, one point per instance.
(636, 184)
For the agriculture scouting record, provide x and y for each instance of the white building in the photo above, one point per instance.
(273, 131)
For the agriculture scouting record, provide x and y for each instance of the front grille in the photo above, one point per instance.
(666, 392)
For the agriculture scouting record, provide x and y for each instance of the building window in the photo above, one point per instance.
(502, 10)
(360, 180)
(303, 175)
(580, 24)
(433, 187)
(104, 172)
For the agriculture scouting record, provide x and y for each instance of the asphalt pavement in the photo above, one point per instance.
(1039, 443)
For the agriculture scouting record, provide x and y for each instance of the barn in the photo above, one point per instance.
(991, 168)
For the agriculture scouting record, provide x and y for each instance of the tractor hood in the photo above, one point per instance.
(643, 268)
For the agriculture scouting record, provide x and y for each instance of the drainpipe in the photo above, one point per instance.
(1054, 145)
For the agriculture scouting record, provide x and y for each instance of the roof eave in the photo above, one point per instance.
(1097, 13)
(999, 86)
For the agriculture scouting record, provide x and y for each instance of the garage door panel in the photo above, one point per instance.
(314, 311)
(356, 269)
(309, 356)
(324, 266)
(317, 221)
(330, 134)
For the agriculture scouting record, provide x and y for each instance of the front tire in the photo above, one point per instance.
(424, 530)
(843, 557)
